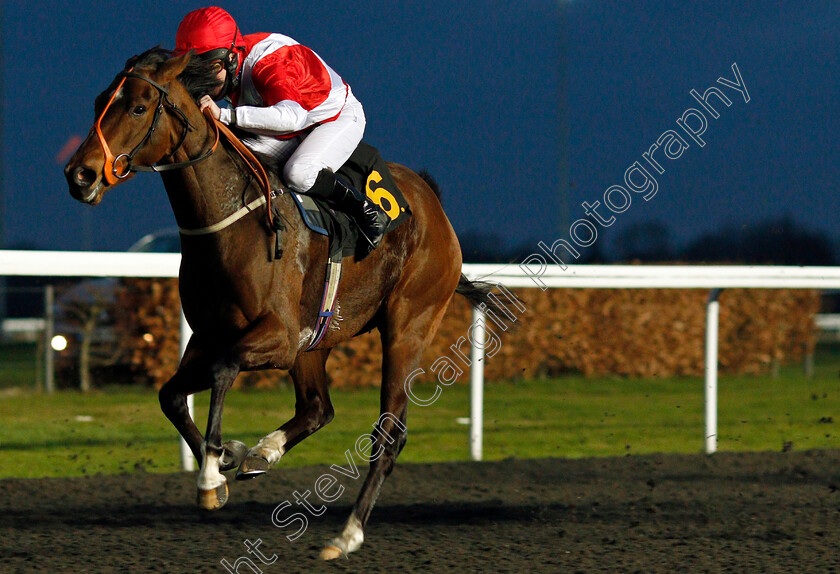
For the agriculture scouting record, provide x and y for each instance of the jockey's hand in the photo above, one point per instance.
(207, 102)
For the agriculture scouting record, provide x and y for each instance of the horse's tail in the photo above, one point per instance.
(430, 181)
(480, 294)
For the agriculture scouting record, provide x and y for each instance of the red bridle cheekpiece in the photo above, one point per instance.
(110, 170)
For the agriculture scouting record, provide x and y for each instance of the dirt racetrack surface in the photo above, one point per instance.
(745, 513)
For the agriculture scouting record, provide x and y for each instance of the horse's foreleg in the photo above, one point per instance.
(313, 410)
(263, 343)
(186, 381)
(173, 395)
(198, 372)
(212, 485)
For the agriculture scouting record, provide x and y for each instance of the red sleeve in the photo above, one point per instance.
(292, 73)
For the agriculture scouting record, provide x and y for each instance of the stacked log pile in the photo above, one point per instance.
(148, 318)
(626, 332)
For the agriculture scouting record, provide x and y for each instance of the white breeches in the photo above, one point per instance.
(327, 146)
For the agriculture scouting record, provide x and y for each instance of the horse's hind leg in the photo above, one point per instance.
(410, 326)
(313, 410)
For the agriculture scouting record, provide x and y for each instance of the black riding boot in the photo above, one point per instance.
(369, 218)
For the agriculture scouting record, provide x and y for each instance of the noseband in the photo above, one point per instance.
(120, 167)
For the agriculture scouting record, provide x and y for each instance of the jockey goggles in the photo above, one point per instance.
(221, 57)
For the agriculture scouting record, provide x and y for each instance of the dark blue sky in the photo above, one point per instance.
(498, 100)
(631, 70)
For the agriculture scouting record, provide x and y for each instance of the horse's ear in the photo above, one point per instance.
(175, 65)
(131, 61)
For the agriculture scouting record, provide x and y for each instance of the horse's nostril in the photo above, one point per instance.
(83, 176)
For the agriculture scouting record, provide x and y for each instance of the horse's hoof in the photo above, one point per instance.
(233, 454)
(331, 553)
(213, 499)
(252, 467)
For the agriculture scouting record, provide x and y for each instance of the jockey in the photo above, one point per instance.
(297, 108)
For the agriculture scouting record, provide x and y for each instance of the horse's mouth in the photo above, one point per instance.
(93, 195)
(85, 182)
(88, 194)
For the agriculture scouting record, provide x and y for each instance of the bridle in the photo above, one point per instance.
(120, 167)
(114, 174)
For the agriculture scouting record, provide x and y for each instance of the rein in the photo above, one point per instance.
(115, 171)
(250, 160)
(256, 169)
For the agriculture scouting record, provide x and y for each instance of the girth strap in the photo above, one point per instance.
(327, 309)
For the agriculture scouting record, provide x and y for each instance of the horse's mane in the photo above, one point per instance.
(197, 77)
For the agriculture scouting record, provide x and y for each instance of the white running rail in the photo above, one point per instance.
(713, 278)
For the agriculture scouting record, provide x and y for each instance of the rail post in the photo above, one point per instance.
(477, 384)
(711, 367)
(49, 331)
(187, 458)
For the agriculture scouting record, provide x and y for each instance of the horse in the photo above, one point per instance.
(250, 310)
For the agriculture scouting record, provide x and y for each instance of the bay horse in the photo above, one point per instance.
(249, 310)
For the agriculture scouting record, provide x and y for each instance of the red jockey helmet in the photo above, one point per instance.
(207, 29)
(214, 35)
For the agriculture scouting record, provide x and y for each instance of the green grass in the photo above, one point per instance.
(122, 429)
(19, 363)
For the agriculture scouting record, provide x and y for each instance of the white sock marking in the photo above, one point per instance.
(209, 477)
(271, 447)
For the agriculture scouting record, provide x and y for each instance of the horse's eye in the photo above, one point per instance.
(138, 110)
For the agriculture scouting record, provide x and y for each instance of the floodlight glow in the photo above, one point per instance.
(59, 343)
